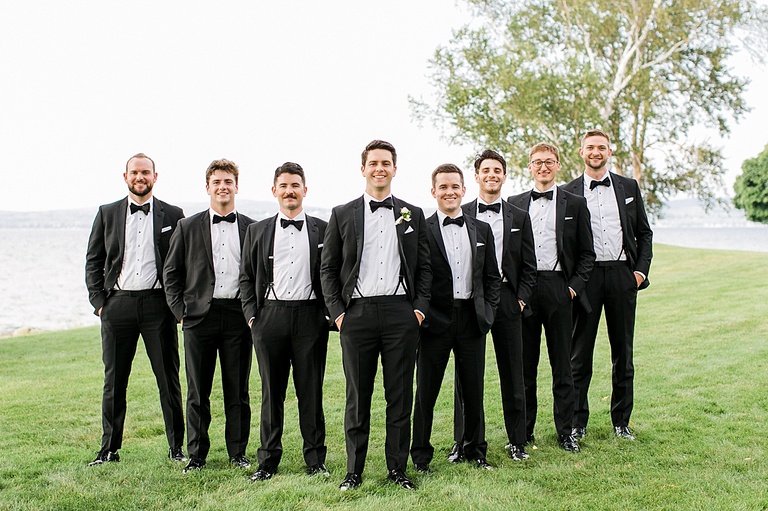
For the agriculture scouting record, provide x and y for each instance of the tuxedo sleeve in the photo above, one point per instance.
(175, 273)
(247, 273)
(585, 257)
(422, 277)
(95, 262)
(527, 262)
(644, 237)
(330, 267)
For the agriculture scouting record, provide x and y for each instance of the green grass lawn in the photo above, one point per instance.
(701, 408)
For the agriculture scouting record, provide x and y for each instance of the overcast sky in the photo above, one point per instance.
(86, 84)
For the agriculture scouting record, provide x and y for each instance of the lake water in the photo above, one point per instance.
(42, 272)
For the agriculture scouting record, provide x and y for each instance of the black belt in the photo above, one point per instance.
(380, 299)
(291, 303)
(549, 274)
(140, 293)
(609, 264)
(468, 302)
(227, 302)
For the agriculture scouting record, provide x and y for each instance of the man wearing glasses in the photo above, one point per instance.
(564, 259)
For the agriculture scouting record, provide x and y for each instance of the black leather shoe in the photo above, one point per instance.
(176, 454)
(578, 432)
(351, 481)
(398, 477)
(240, 461)
(623, 432)
(105, 457)
(318, 470)
(517, 452)
(568, 443)
(482, 463)
(422, 468)
(195, 465)
(263, 473)
(457, 454)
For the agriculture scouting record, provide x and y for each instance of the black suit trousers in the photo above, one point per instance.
(551, 308)
(611, 286)
(124, 316)
(289, 334)
(388, 326)
(463, 336)
(223, 331)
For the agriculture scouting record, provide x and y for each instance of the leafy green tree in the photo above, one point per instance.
(645, 71)
(752, 188)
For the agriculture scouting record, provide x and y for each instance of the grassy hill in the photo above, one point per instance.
(701, 405)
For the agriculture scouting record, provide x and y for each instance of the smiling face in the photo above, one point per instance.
(379, 169)
(448, 189)
(490, 177)
(289, 190)
(595, 151)
(140, 176)
(222, 187)
(543, 167)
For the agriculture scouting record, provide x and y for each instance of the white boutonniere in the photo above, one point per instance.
(405, 215)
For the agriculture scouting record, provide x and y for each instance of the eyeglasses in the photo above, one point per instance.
(549, 163)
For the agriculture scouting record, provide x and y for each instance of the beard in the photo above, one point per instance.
(141, 193)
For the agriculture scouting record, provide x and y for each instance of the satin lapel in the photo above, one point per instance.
(120, 212)
(267, 244)
(578, 186)
(472, 231)
(358, 214)
(434, 226)
(159, 215)
(470, 209)
(400, 230)
(621, 203)
(241, 227)
(313, 243)
(560, 221)
(506, 211)
(205, 230)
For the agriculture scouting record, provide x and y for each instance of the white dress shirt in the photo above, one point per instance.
(291, 275)
(380, 261)
(543, 221)
(459, 253)
(606, 224)
(225, 245)
(139, 270)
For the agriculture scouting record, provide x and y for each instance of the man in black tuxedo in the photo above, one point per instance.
(564, 259)
(283, 302)
(623, 243)
(515, 254)
(201, 286)
(123, 273)
(376, 277)
(465, 292)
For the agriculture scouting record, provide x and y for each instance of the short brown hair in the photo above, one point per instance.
(140, 155)
(488, 154)
(224, 166)
(289, 168)
(379, 144)
(544, 147)
(447, 168)
(595, 133)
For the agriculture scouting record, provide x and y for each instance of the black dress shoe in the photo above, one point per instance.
(482, 463)
(624, 432)
(318, 470)
(240, 461)
(457, 454)
(578, 432)
(568, 443)
(517, 452)
(422, 468)
(105, 457)
(263, 473)
(195, 465)
(398, 477)
(351, 481)
(176, 454)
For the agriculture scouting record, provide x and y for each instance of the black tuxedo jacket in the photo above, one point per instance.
(638, 237)
(257, 262)
(486, 280)
(106, 245)
(188, 272)
(573, 231)
(518, 256)
(343, 248)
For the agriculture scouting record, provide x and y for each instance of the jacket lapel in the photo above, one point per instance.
(560, 222)
(120, 212)
(358, 214)
(313, 244)
(434, 226)
(205, 230)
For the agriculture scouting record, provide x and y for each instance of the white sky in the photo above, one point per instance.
(86, 84)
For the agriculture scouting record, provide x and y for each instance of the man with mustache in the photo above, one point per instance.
(123, 273)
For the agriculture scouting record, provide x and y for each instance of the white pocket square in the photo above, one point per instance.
(569, 218)
(513, 230)
(479, 244)
(166, 228)
(628, 200)
(320, 245)
(408, 230)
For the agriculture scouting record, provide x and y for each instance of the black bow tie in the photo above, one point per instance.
(296, 223)
(594, 184)
(459, 220)
(229, 218)
(538, 195)
(386, 203)
(143, 207)
(496, 208)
